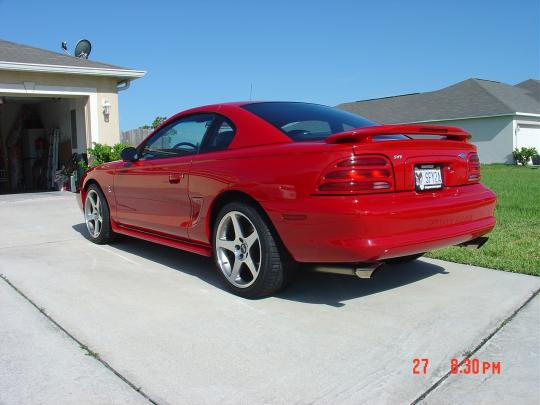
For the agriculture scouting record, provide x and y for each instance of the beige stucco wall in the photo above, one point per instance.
(104, 88)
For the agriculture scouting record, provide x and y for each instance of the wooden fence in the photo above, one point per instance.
(134, 136)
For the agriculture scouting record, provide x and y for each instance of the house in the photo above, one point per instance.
(500, 117)
(44, 93)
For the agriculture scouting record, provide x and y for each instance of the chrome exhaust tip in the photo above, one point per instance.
(476, 243)
(366, 272)
(363, 270)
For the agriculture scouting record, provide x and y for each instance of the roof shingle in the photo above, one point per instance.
(18, 53)
(469, 98)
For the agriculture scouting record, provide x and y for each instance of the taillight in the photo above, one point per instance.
(358, 174)
(473, 168)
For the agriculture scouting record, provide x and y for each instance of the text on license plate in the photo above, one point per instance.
(427, 179)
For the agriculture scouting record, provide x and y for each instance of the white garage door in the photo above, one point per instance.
(528, 136)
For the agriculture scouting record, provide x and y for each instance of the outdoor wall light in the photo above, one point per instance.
(106, 110)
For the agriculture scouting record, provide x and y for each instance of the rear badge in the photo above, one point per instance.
(462, 155)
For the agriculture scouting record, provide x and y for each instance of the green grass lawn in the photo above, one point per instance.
(514, 244)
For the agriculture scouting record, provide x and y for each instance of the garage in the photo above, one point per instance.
(40, 136)
(53, 106)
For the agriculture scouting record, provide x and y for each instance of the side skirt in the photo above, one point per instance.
(166, 240)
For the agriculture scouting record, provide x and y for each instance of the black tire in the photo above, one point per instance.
(105, 234)
(404, 259)
(272, 275)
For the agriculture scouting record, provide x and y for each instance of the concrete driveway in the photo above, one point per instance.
(135, 322)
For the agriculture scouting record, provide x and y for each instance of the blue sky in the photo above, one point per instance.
(319, 51)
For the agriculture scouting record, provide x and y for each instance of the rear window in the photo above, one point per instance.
(310, 122)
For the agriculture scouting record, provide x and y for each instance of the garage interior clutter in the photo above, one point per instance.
(39, 143)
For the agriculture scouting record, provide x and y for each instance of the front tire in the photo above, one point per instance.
(247, 254)
(97, 216)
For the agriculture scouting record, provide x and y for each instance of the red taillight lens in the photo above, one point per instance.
(358, 174)
(363, 161)
(473, 168)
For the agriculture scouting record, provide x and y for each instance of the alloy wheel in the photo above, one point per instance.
(93, 213)
(238, 249)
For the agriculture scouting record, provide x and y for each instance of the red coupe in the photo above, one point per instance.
(261, 186)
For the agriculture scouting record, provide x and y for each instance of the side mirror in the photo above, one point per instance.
(129, 154)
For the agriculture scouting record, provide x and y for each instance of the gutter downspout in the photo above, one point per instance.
(123, 85)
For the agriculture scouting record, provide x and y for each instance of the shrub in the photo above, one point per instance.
(523, 155)
(100, 154)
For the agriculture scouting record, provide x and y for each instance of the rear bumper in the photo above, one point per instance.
(351, 229)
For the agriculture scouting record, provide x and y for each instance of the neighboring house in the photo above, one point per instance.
(42, 90)
(501, 117)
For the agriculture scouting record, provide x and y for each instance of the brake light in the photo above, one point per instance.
(358, 174)
(473, 164)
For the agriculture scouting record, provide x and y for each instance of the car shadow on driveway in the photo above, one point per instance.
(306, 286)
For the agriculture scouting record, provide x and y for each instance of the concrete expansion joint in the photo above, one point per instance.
(471, 353)
(87, 349)
(28, 245)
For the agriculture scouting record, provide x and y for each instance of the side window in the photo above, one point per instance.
(221, 137)
(180, 138)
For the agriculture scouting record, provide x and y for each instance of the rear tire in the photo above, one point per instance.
(404, 259)
(97, 216)
(247, 254)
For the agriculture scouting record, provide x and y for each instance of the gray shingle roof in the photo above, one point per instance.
(532, 87)
(469, 98)
(18, 53)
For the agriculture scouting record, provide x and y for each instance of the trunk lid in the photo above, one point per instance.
(446, 149)
(407, 154)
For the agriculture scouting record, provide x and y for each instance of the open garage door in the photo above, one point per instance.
(38, 137)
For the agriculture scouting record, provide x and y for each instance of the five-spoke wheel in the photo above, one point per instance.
(247, 252)
(93, 213)
(238, 249)
(96, 216)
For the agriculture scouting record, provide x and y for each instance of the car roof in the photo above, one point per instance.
(246, 123)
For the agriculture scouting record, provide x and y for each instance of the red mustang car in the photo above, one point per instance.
(261, 186)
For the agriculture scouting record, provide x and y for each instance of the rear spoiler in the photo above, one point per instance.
(366, 134)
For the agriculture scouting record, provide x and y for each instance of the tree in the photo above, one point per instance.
(158, 120)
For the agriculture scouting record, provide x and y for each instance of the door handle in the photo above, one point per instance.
(174, 178)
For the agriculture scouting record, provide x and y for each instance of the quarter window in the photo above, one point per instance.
(221, 137)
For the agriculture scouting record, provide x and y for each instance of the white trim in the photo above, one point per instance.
(528, 114)
(90, 92)
(74, 70)
(526, 122)
(461, 118)
(514, 134)
(473, 117)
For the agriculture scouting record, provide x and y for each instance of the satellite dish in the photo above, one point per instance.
(83, 49)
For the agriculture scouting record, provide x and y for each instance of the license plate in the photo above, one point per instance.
(427, 178)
